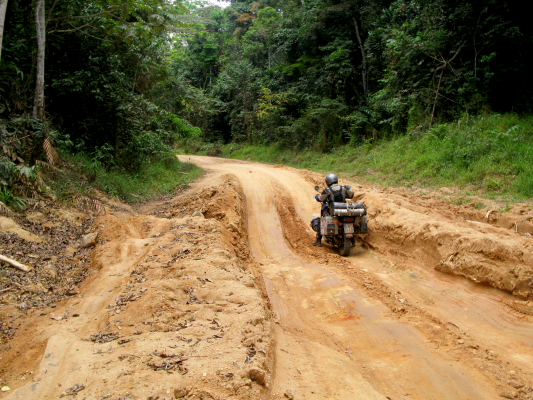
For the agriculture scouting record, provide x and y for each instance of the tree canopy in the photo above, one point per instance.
(90, 72)
(325, 72)
(124, 80)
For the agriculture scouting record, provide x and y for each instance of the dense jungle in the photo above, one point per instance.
(118, 84)
(159, 161)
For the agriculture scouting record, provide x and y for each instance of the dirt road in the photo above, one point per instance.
(236, 303)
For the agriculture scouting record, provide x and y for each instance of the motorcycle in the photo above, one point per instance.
(340, 223)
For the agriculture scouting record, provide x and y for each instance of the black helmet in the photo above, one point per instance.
(331, 179)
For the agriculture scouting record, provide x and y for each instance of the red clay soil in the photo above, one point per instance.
(235, 302)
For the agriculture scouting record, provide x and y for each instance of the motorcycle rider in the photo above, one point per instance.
(334, 192)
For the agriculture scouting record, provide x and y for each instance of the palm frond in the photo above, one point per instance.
(51, 153)
(47, 165)
(88, 204)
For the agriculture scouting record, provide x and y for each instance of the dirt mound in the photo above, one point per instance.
(478, 251)
(169, 311)
(223, 202)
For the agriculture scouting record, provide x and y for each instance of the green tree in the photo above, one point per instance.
(238, 87)
(260, 39)
(104, 61)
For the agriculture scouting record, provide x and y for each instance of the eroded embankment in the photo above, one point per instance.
(477, 251)
(170, 311)
(432, 234)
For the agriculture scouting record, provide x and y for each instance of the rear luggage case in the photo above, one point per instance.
(329, 226)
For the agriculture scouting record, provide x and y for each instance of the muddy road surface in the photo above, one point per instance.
(235, 303)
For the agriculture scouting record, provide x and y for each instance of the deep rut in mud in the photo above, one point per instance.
(386, 322)
(237, 303)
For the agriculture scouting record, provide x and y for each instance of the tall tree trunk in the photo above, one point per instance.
(3, 8)
(365, 84)
(436, 98)
(40, 23)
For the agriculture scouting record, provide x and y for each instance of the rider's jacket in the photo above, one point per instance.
(336, 193)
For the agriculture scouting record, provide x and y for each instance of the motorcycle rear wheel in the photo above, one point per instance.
(345, 247)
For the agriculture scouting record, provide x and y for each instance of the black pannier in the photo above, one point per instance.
(315, 224)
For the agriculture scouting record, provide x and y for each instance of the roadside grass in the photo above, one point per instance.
(490, 155)
(80, 176)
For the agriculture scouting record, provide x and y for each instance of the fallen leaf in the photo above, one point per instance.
(104, 337)
(73, 390)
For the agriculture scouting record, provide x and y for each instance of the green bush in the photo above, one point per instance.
(159, 177)
(9, 199)
(491, 153)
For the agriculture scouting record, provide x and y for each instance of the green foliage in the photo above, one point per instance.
(491, 153)
(21, 145)
(238, 87)
(272, 113)
(8, 171)
(21, 138)
(390, 67)
(9, 199)
(84, 174)
(161, 177)
(104, 61)
(259, 41)
(127, 80)
(479, 205)
(109, 95)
